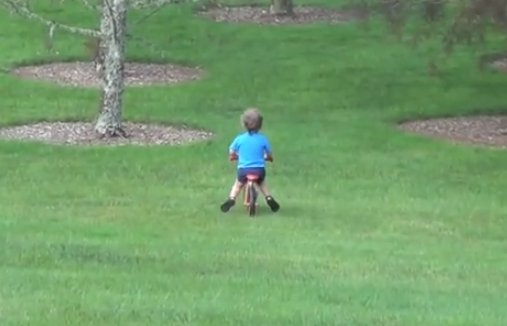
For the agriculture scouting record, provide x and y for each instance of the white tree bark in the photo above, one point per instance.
(281, 7)
(111, 61)
(100, 51)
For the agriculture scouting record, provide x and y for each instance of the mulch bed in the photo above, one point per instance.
(82, 133)
(260, 15)
(474, 130)
(83, 74)
(500, 64)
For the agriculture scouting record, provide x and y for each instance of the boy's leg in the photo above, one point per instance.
(272, 203)
(236, 188)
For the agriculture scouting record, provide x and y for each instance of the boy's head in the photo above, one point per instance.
(251, 119)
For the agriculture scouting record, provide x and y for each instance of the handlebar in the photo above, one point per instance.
(234, 157)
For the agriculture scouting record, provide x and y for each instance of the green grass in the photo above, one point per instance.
(377, 227)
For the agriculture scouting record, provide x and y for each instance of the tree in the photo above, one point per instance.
(108, 43)
(453, 21)
(282, 7)
(110, 62)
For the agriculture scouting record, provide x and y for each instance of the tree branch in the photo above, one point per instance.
(86, 3)
(22, 8)
(90, 5)
(146, 44)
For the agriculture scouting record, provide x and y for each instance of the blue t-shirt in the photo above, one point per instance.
(250, 149)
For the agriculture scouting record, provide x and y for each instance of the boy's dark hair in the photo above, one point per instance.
(251, 119)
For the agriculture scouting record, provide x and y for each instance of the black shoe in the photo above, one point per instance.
(272, 204)
(227, 205)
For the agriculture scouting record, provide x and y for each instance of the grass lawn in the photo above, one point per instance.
(377, 227)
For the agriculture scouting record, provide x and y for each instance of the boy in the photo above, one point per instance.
(251, 149)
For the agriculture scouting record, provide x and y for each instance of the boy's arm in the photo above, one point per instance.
(233, 150)
(267, 150)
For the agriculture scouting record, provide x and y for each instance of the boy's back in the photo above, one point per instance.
(251, 148)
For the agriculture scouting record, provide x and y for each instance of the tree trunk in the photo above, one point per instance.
(100, 44)
(112, 44)
(281, 7)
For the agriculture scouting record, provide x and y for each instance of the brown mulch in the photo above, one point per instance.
(500, 64)
(474, 130)
(260, 15)
(82, 133)
(83, 74)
